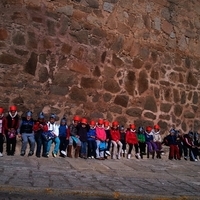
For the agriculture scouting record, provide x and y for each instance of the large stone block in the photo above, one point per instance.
(19, 39)
(79, 67)
(31, 65)
(121, 100)
(150, 115)
(143, 83)
(111, 86)
(59, 90)
(3, 34)
(195, 99)
(189, 114)
(109, 72)
(9, 59)
(43, 74)
(191, 80)
(116, 61)
(150, 104)
(137, 63)
(129, 82)
(77, 94)
(90, 83)
(66, 48)
(165, 107)
(134, 112)
(93, 3)
(115, 109)
(178, 109)
(97, 72)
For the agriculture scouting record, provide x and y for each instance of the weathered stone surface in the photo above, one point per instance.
(189, 114)
(121, 100)
(107, 97)
(137, 63)
(59, 90)
(78, 94)
(3, 34)
(111, 86)
(19, 39)
(191, 80)
(178, 110)
(115, 109)
(150, 115)
(122, 120)
(195, 98)
(163, 125)
(129, 82)
(134, 112)
(116, 61)
(106, 50)
(31, 64)
(9, 59)
(90, 83)
(66, 48)
(142, 82)
(43, 74)
(78, 67)
(150, 104)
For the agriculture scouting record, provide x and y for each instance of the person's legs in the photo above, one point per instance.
(114, 149)
(31, 139)
(48, 147)
(119, 149)
(24, 143)
(97, 149)
(56, 140)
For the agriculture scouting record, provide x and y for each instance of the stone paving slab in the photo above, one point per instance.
(94, 179)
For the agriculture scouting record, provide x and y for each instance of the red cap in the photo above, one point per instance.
(13, 108)
(84, 121)
(148, 128)
(106, 123)
(115, 123)
(1, 110)
(76, 118)
(156, 127)
(132, 126)
(92, 123)
(100, 121)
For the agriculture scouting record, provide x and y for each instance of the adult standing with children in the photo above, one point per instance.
(27, 134)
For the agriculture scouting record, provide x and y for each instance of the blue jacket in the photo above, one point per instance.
(63, 130)
(91, 132)
(148, 137)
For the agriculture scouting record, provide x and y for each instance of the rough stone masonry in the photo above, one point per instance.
(128, 60)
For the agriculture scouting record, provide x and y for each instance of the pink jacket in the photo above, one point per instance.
(100, 134)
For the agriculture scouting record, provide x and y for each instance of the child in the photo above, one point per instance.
(151, 145)
(131, 139)
(100, 138)
(64, 140)
(82, 133)
(141, 141)
(11, 127)
(115, 140)
(158, 140)
(123, 140)
(73, 137)
(2, 129)
(173, 146)
(53, 128)
(91, 135)
(108, 138)
(39, 127)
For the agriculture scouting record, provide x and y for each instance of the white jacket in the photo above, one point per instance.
(54, 128)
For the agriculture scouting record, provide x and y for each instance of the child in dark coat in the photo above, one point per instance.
(91, 140)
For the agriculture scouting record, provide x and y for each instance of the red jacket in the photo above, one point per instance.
(115, 134)
(131, 137)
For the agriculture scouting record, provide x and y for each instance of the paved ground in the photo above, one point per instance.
(65, 178)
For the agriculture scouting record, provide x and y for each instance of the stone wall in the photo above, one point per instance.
(130, 60)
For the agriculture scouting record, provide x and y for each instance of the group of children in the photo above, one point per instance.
(94, 139)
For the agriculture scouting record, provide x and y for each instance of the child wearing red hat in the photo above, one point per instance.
(115, 140)
(100, 139)
(11, 127)
(158, 140)
(83, 128)
(151, 145)
(73, 137)
(108, 138)
(131, 139)
(2, 130)
(91, 135)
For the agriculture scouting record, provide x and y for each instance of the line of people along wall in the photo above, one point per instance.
(91, 139)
